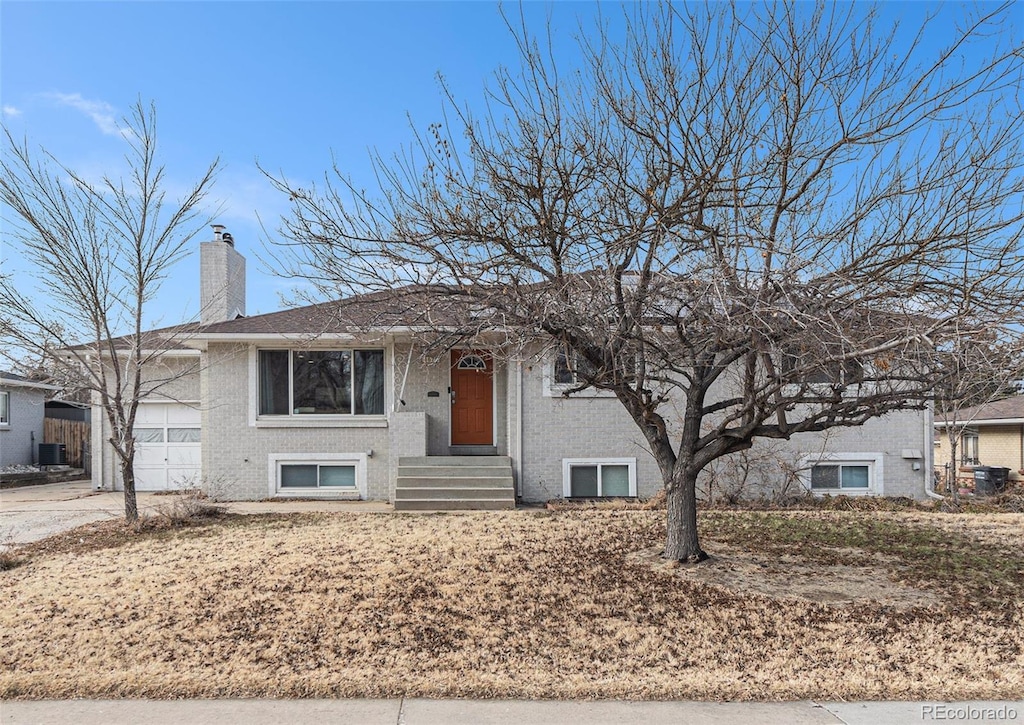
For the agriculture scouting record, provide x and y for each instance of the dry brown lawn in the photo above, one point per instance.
(533, 604)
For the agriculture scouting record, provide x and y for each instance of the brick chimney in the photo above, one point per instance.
(221, 279)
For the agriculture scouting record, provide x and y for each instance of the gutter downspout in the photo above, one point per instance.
(519, 435)
(929, 456)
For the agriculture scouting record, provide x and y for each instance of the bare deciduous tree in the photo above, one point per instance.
(99, 252)
(768, 214)
(974, 372)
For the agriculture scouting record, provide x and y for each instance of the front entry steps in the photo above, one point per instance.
(473, 451)
(454, 483)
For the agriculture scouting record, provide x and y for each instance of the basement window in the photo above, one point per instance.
(828, 476)
(598, 477)
(849, 474)
(316, 475)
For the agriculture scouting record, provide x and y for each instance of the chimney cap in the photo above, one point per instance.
(217, 231)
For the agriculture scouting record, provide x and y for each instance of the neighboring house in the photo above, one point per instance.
(993, 435)
(335, 400)
(21, 418)
(69, 410)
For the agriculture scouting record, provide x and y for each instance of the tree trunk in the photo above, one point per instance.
(681, 543)
(131, 505)
(952, 484)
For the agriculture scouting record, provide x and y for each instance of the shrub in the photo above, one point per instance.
(9, 560)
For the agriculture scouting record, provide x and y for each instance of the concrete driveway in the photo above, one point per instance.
(32, 513)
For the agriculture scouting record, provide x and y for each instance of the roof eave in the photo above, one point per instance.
(9, 383)
(304, 336)
(983, 421)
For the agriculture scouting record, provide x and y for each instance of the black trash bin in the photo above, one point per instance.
(990, 480)
(53, 454)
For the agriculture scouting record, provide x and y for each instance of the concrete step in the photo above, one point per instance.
(455, 461)
(454, 483)
(467, 482)
(455, 471)
(472, 450)
(455, 494)
(448, 505)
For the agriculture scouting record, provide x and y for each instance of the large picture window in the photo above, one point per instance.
(321, 382)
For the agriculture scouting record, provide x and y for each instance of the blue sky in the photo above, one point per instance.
(284, 83)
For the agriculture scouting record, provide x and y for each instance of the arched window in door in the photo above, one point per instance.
(472, 362)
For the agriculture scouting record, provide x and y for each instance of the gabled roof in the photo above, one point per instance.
(1007, 410)
(163, 338)
(405, 307)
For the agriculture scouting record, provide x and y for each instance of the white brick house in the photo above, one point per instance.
(335, 400)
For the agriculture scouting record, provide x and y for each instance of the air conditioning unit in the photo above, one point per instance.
(53, 454)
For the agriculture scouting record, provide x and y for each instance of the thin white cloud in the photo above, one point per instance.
(11, 111)
(101, 112)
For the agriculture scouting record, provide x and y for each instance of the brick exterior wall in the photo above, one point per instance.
(26, 410)
(236, 450)
(599, 427)
(436, 377)
(998, 445)
(421, 380)
(585, 427)
(1001, 445)
(236, 447)
(407, 434)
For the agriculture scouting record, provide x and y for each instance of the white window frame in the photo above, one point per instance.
(803, 390)
(275, 461)
(568, 463)
(5, 408)
(314, 420)
(876, 473)
(472, 361)
(553, 389)
(975, 445)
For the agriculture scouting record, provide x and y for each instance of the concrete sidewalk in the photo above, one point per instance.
(492, 712)
(31, 513)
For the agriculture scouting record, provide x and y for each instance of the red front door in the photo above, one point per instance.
(472, 398)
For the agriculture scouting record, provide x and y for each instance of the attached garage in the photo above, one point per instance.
(168, 449)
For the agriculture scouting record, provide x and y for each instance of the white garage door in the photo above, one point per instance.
(167, 453)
